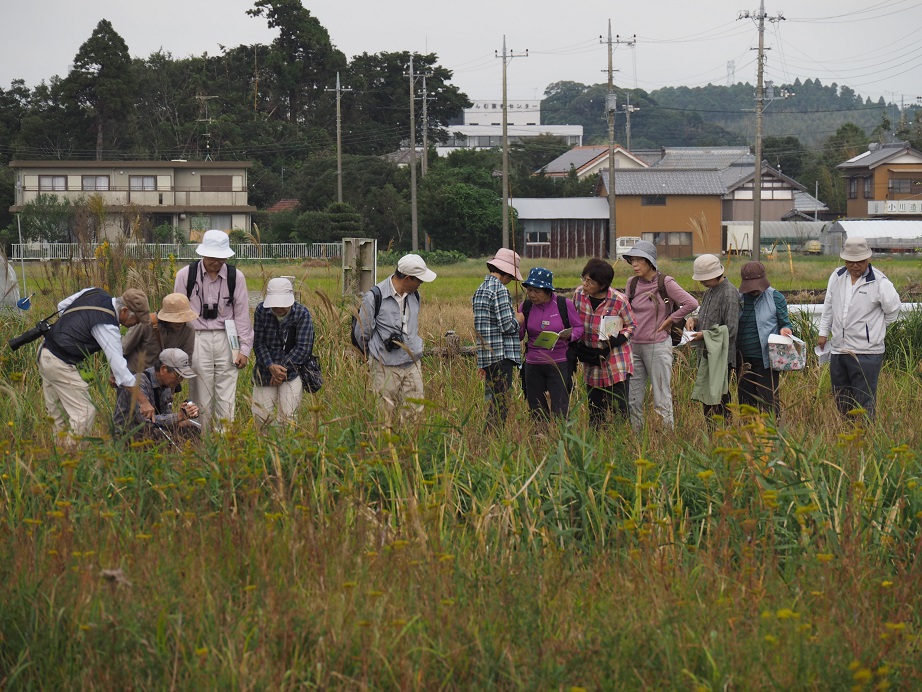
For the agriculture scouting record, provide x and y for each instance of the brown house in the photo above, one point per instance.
(679, 211)
(884, 182)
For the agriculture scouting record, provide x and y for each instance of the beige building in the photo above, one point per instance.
(192, 196)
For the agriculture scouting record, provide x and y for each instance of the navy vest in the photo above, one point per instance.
(71, 337)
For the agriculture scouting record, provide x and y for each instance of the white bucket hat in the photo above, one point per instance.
(279, 294)
(707, 267)
(215, 244)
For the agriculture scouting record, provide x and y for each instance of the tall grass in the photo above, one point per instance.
(337, 553)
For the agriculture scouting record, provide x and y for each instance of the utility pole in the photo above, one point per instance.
(506, 58)
(628, 109)
(425, 99)
(207, 120)
(339, 140)
(760, 107)
(414, 218)
(611, 108)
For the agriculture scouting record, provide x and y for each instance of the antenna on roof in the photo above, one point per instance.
(207, 120)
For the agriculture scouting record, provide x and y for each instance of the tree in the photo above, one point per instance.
(376, 116)
(101, 81)
(46, 218)
(303, 61)
(786, 154)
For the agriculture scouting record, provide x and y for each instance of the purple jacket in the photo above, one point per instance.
(546, 318)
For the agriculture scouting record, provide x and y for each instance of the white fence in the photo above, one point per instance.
(266, 251)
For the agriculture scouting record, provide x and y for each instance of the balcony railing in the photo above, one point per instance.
(86, 251)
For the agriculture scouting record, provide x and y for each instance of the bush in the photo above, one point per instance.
(434, 257)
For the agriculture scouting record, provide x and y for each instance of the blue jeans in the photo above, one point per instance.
(854, 380)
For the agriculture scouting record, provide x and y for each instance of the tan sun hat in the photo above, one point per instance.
(856, 250)
(707, 267)
(176, 309)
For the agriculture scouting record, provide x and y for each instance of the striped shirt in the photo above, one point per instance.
(620, 363)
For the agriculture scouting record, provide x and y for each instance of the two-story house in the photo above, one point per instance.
(884, 182)
(191, 196)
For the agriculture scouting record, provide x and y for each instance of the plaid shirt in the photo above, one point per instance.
(620, 363)
(495, 326)
(270, 341)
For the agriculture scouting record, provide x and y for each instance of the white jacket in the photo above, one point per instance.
(858, 325)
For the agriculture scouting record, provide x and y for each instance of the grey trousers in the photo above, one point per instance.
(653, 364)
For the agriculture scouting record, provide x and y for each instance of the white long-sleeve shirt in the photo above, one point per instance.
(109, 339)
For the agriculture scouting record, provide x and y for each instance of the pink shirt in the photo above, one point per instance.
(210, 291)
(650, 311)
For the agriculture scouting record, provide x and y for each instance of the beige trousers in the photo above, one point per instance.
(215, 387)
(396, 385)
(66, 394)
(277, 405)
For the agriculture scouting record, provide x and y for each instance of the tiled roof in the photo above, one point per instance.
(577, 157)
(807, 203)
(657, 181)
(882, 154)
(284, 205)
(714, 158)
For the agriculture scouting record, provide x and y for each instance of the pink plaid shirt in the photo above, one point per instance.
(620, 363)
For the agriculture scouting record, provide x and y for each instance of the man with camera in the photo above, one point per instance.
(217, 292)
(88, 323)
(157, 383)
(387, 330)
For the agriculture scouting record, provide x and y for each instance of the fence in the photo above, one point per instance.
(266, 251)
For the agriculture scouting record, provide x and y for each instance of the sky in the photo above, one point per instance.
(873, 46)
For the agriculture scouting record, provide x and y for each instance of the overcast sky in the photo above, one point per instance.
(875, 47)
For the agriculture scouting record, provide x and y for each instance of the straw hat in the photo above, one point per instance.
(176, 309)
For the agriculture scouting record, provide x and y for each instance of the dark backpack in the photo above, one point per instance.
(376, 294)
(193, 277)
(675, 331)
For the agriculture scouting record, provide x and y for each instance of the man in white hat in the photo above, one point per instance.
(387, 330)
(496, 328)
(217, 293)
(283, 342)
(157, 383)
(860, 302)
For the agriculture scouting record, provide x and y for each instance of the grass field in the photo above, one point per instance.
(340, 554)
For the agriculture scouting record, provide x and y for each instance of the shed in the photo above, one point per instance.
(562, 228)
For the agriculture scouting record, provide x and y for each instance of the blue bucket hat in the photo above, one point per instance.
(539, 277)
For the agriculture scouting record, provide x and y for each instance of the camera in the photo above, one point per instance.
(394, 341)
(40, 329)
(209, 312)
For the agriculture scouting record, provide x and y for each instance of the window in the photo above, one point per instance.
(217, 183)
(94, 182)
(52, 182)
(538, 237)
(142, 182)
(868, 192)
(208, 222)
(853, 188)
(653, 201)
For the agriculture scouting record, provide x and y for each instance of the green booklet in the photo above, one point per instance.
(546, 339)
